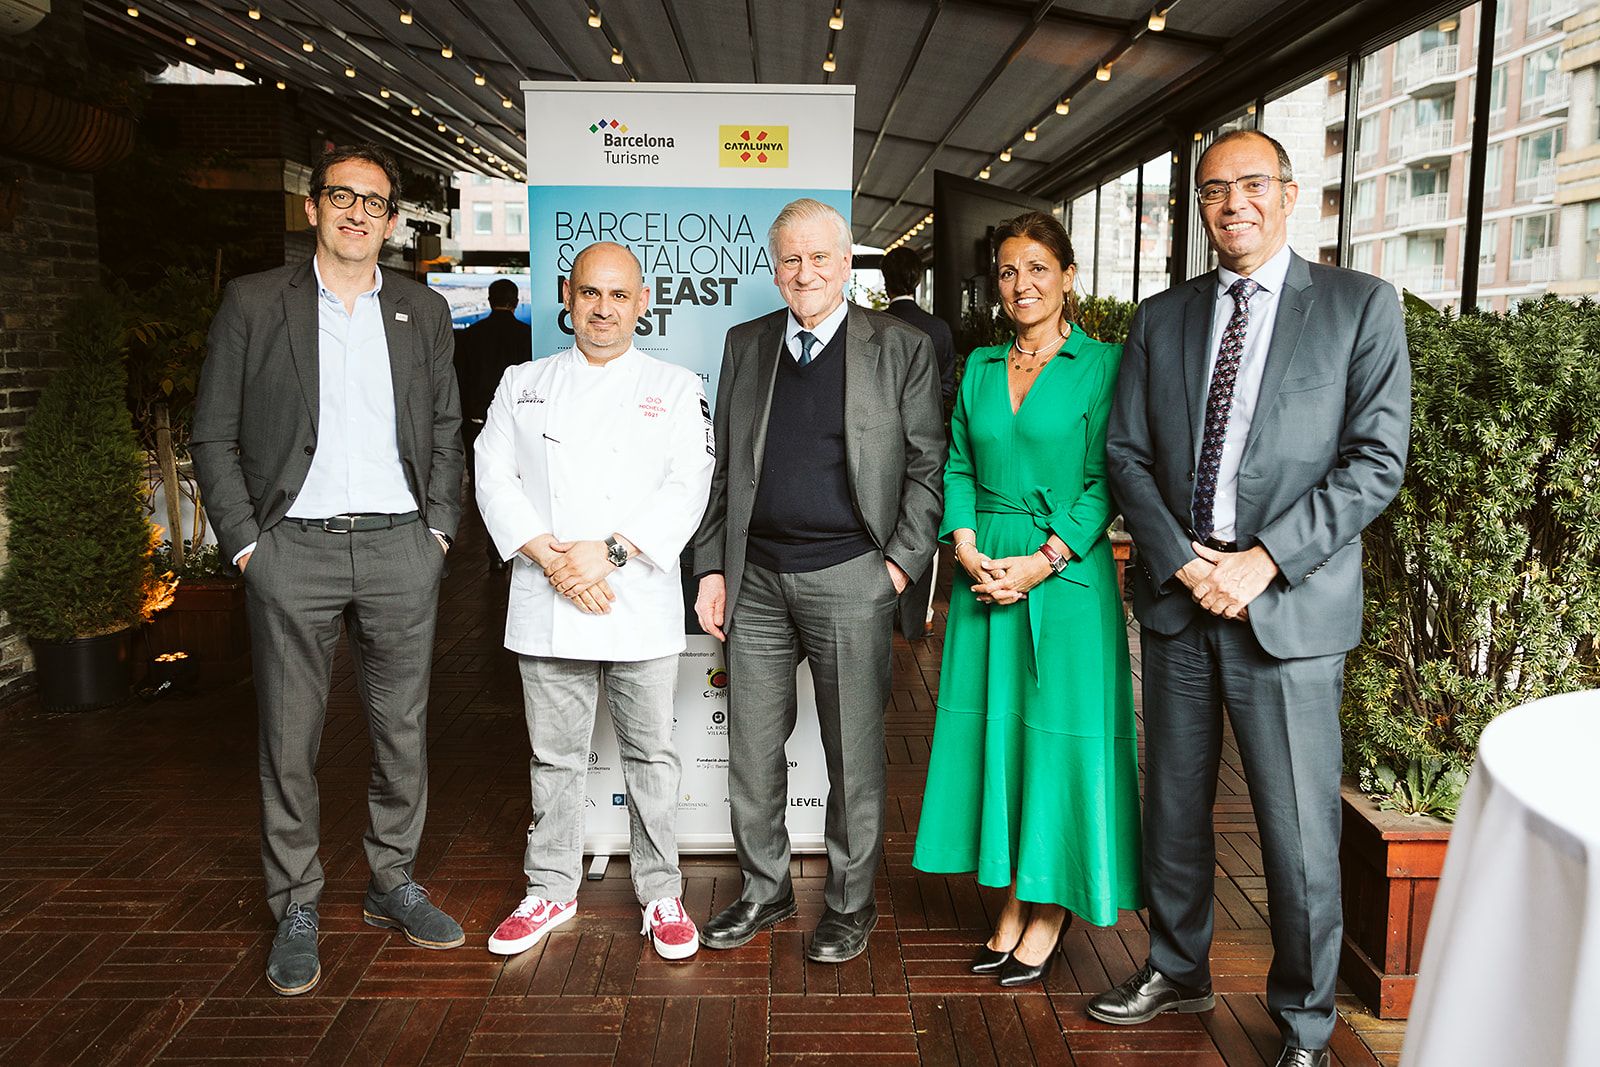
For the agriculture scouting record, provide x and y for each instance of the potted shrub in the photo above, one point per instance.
(79, 573)
(1482, 593)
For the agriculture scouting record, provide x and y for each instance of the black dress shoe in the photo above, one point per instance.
(1291, 1056)
(1146, 994)
(1015, 973)
(742, 920)
(987, 960)
(842, 935)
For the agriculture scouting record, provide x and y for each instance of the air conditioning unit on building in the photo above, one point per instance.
(20, 16)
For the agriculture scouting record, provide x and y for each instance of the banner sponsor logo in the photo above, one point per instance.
(623, 147)
(805, 802)
(619, 800)
(766, 147)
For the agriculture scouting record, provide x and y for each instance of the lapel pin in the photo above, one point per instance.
(401, 316)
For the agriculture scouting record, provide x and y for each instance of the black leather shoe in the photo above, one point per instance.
(842, 935)
(1292, 1056)
(1146, 994)
(1014, 972)
(742, 920)
(987, 960)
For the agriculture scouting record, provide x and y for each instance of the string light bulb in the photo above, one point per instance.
(829, 65)
(383, 91)
(460, 139)
(1158, 20)
(836, 21)
(447, 52)
(133, 12)
(441, 127)
(1005, 155)
(307, 46)
(416, 111)
(616, 57)
(477, 150)
(478, 79)
(190, 41)
(405, 16)
(594, 18)
(1063, 105)
(505, 101)
(254, 13)
(1102, 73)
(238, 64)
(282, 85)
(349, 72)
(984, 174)
(1032, 134)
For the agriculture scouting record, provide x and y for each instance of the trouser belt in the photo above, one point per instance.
(346, 524)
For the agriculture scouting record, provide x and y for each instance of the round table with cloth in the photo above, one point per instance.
(1511, 968)
(1033, 774)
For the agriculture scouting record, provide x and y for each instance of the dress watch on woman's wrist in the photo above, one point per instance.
(1058, 562)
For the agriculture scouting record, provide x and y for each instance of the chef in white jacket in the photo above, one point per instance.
(594, 466)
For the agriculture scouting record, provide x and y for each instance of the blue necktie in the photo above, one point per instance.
(1219, 405)
(808, 341)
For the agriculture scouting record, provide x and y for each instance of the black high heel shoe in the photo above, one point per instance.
(1013, 972)
(988, 961)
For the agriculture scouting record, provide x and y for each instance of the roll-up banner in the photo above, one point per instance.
(689, 177)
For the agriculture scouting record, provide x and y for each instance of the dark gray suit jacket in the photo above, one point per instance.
(1324, 456)
(894, 439)
(255, 423)
(944, 345)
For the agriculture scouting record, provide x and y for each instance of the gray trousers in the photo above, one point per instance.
(1285, 716)
(842, 620)
(299, 585)
(559, 697)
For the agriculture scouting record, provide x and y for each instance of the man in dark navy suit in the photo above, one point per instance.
(484, 351)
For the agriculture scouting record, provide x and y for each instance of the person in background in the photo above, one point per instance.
(484, 351)
(823, 506)
(1260, 424)
(327, 445)
(593, 470)
(902, 274)
(1033, 779)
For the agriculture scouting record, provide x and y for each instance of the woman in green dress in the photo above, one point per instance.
(1033, 777)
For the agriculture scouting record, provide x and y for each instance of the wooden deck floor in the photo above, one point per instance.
(132, 928)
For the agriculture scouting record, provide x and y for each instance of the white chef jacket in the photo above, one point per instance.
(582, 452)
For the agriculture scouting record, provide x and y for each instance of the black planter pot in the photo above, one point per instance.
(85, 673)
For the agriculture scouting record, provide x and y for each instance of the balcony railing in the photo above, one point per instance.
(1328, 231)
(1419, 70)
(1333, 110)
(1538, 266)
(1430, 139)
(1554, 97)
(1541, 184)
(1426, 210)
(1420, 279)
(1367, 157)
(1332, 169)
(1371, 88)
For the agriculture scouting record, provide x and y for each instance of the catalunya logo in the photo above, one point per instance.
(765, 147)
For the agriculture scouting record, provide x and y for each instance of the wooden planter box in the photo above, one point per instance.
(1390, 866)
(207, 620)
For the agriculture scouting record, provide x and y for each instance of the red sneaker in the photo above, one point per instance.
(671, 930)
(523, 928)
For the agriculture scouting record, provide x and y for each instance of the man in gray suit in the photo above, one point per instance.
(1260, 424)
(824, 503)
(327, 445)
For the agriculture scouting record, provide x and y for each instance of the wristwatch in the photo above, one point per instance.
(616, 551)
(1058, 562)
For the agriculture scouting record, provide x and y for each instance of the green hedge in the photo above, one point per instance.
(1483, 576)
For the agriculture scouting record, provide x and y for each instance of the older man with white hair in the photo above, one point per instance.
(825, 503)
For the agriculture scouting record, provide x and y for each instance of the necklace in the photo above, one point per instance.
(1016, 364)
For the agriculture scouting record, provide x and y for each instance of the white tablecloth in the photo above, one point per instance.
(1511, 968)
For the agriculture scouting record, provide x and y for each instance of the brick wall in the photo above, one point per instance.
(50, 253)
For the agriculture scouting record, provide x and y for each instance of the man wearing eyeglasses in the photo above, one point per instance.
(327, 446)
(1260, 423)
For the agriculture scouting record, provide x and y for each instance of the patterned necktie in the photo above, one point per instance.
(1219, 405)
(808, 341)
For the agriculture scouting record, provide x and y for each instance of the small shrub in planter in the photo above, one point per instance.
(1483, 576)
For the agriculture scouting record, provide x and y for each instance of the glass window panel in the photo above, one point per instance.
(1591, 239)
(1155, 227)
(1361, 253)
(1083, 240)
(1118, 218)
(1313, 135)
(516, 216)
(483, 219)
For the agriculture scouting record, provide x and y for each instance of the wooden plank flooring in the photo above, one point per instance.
(132, 928)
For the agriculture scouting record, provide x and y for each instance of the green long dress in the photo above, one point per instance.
(1034, 770)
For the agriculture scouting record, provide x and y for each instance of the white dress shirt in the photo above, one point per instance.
(356, 467)
(582, 452)
(823, 331)
(1247, 386)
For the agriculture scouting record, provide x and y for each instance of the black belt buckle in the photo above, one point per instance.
(348, 524)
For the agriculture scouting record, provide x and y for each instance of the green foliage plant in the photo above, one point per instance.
(1483, 576)
(79, 543)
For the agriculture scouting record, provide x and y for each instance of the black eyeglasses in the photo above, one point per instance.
(1255, 186)
(341, 197)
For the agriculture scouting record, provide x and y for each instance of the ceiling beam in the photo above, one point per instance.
(905, 76)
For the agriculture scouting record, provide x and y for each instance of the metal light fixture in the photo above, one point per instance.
(238, 64)
(441, 127)
(1158, 20)
(477, 150)
(505, 101)
(478, 79)
(282, 85)
(447, 52)
(384, 92)
(1102, 73)
(307, 46)
(1032, 134)
(1005, 155)
(616, 57)
(190, 41)
(405, 16)
(984, 174)
(594, 18)
(415, 111)
(1063, 105)
(133, 12)
(460, 139)
(836, 22)
(829, 65)
(254, 13)
(349, 72)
